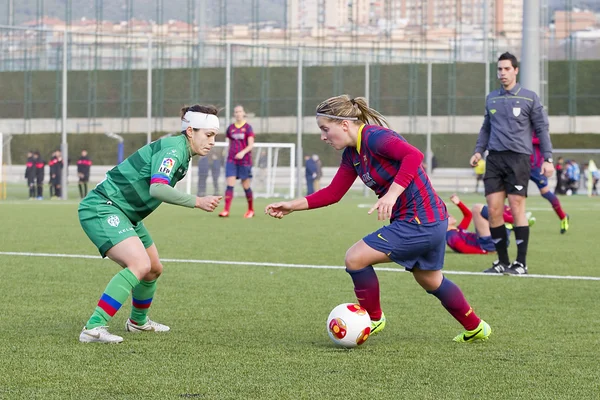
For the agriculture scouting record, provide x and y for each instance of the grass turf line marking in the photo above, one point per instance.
(284, 265)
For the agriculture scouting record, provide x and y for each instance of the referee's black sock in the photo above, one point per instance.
(499, 237)
(522, 239)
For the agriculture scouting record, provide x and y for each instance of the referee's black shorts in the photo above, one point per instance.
(507, 171)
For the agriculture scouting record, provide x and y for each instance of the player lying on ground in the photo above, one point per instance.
(462, 241)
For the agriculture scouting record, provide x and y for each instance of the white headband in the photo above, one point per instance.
(336, 117)
(199, 120)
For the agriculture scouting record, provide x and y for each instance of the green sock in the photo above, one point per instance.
(141, 299)
(115, 294)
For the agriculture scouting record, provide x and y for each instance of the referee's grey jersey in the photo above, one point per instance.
(510, 119)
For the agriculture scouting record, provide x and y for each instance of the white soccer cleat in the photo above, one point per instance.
(99, 334)
(149, 326)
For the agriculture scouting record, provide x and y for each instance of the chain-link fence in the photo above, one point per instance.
(108, 81)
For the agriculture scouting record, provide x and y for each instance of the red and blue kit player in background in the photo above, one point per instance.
(462, 241)
(542, 183)
(416, 235)
(239, 160)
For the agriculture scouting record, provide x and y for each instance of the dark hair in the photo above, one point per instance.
(208, 109)
(345, 106)
(510, 57)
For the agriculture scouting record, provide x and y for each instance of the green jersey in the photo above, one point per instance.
(127, 185)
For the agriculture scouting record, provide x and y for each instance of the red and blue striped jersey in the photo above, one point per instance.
(238, 141)
(464, 242)
(536, 158)
(381, 158)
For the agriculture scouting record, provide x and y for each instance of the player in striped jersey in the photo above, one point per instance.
(416, 235)
(239, 160)
(112, 213)
(536, 161)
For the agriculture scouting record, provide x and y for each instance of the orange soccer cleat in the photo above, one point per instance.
(224, 213)
(249, 214)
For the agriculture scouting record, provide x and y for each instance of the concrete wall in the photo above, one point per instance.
(460, 180)
(443, 124)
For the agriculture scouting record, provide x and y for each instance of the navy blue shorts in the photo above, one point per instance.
(412, 245)
(486, 243)
(239, 171)
(536, 176)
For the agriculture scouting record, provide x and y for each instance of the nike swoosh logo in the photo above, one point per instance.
(472, 336)
(519, 242)
(381, 237)
(96, 336)
(496, 240)
(358, 163)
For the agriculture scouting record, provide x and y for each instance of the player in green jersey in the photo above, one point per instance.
(112, 213)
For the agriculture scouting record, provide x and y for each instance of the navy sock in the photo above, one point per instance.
(366, 288)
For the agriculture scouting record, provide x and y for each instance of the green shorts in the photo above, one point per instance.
(106, 225)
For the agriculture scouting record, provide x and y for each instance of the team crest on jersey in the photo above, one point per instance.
(166, 166)
(516, 111)
(366, 178)
(113, 220)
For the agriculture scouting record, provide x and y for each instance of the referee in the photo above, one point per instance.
(512, 113)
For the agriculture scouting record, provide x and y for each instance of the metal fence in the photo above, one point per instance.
(109, 80)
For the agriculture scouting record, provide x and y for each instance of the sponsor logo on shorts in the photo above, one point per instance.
(128, 229)
(518, 187)
(381, 237)
(113, 220)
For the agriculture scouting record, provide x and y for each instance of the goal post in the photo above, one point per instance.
(273, 170)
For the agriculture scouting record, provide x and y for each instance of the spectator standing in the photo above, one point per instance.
(39, 175)
(30, 174)
(84, 165)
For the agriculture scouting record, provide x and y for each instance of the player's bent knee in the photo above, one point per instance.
(352, 260)
(140, 268)
(156, 269)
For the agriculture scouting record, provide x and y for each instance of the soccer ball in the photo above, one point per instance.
(349, 325)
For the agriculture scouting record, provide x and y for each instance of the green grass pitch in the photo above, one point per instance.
(258, 332)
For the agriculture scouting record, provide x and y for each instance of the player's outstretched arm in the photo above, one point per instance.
(168, 194)
(208, 203)
(282, 208)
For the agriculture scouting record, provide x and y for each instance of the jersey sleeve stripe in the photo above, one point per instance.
(160, 178)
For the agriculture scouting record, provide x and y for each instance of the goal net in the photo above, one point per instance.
(273, 171)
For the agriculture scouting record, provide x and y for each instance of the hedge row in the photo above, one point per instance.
(398, 89)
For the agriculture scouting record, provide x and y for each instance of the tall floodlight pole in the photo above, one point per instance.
(486, 49)
(64, 145)
(530, 58)
(299, 119)
(149, 92)
(227, 84)
(429, 93)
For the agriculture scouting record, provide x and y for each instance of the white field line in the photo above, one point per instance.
(284, 265)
